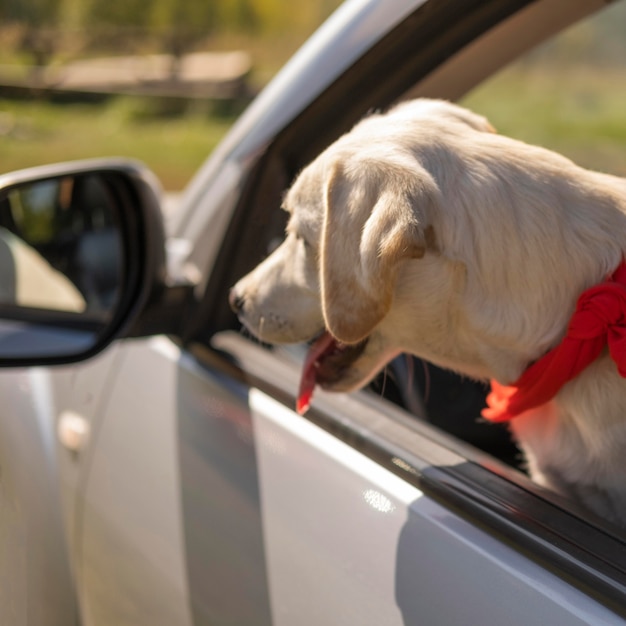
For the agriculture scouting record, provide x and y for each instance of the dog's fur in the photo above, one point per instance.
(425, 232)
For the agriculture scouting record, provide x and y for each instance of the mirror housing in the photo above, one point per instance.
(82, 254)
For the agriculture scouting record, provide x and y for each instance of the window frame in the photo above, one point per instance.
(577, 546)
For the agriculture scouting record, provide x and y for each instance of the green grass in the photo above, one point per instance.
(578, 111)
(174, 146)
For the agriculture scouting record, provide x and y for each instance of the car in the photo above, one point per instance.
(153, 467)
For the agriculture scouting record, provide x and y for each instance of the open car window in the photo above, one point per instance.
(417, 419)
(543, 96)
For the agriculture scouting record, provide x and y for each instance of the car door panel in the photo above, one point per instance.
(171, 531)
(34, 564)
(348, 542)
(131, 540)
(220, 503)
(331, 520)
(240, 511)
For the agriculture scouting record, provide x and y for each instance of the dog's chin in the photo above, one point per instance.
(275, 330)
(336, 369)
(349, 379)
(346, 368)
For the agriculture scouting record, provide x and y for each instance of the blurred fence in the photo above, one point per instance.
(215, 75)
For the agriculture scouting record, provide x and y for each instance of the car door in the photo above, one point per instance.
(207, 500)
(218, 504)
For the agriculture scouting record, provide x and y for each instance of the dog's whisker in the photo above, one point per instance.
(384, 383)
(261, 324)
(427, 381)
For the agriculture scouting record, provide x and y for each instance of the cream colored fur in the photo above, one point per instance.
(427, 233)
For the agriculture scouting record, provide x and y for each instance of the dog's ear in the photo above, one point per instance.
(375, 217)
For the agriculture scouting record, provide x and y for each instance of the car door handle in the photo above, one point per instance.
(72, 430)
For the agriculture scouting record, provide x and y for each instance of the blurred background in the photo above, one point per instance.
(163, 80)
(158, 80)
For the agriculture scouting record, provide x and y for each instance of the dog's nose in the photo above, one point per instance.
(235, 300)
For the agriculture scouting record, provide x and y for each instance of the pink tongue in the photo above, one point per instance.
(309, 371)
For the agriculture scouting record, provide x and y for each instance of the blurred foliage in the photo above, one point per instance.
(37, 132)
(567, 95)
(579, 113)
(598, 40)
(173, 136)
(33, 209)
(43, 30)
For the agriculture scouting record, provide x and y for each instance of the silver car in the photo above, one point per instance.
(167, 479)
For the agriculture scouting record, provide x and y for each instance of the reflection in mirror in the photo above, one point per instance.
(61, 250)
(27, 279)
(18, 340)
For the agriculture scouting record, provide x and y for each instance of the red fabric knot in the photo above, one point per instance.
(598, 320)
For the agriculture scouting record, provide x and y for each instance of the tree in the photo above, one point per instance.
(180, 24)
(38, 21)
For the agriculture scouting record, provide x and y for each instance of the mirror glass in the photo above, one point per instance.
(61, 264)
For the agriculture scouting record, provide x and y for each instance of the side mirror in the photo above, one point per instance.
(81, 253)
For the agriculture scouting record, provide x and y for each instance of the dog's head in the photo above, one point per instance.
(359, 215)
(381, 257)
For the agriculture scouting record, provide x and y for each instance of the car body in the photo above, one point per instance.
(168, 479)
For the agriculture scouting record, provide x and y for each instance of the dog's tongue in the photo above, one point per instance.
(309, 371)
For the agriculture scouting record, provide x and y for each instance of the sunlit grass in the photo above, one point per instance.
(174, 146)
(578, 111)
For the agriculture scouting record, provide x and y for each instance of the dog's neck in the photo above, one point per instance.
(573, 432)
(598, 320)
(575, 443)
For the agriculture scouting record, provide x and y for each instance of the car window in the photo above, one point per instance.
(434, 412)
(425, 393)
(524, 100)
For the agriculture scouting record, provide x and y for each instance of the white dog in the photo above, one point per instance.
(423, 231)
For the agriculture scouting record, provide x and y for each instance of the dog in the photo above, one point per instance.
(423, 231)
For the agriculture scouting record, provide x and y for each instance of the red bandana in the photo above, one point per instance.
(599, 319)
